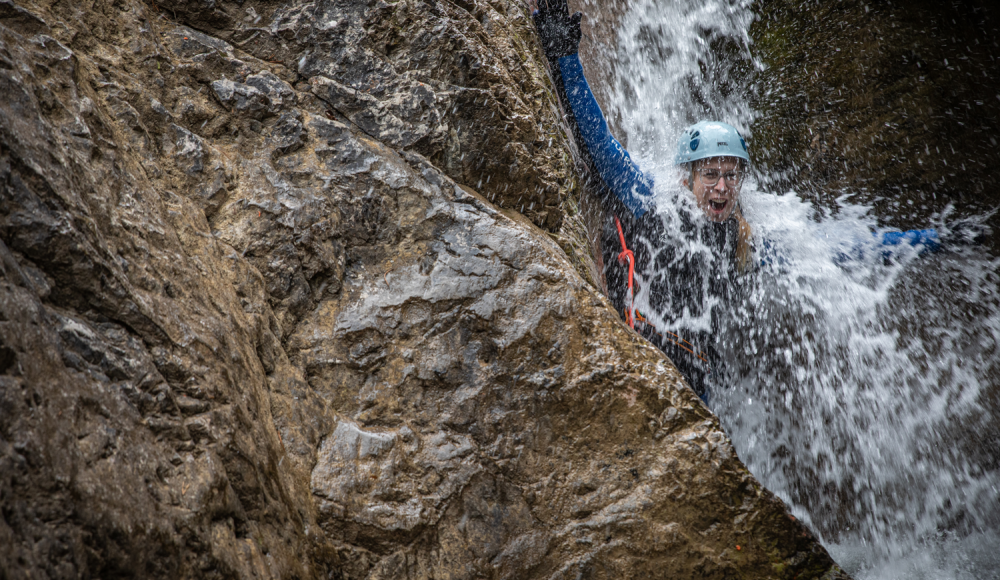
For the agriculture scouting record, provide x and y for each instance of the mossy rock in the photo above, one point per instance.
(896, 104)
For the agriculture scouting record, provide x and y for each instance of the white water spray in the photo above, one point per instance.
(864, 392)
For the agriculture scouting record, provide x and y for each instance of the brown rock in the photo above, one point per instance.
(245, 335)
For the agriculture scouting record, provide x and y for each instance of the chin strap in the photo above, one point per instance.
(626, 254)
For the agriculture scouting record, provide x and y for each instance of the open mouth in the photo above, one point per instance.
(717, 204)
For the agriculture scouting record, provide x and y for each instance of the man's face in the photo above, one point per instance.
(718, 200)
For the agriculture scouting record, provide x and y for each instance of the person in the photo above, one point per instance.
(635, 246)
(638, 255)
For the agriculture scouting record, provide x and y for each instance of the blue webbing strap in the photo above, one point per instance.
(927, 238)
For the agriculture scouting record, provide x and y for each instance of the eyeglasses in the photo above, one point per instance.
(712, 176)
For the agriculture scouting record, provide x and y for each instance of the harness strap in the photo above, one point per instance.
(626, 254)
(676, 340)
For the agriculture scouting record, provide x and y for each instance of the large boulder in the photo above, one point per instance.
(259, 319)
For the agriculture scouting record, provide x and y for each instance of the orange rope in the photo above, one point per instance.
(626, 254)
(631, 314)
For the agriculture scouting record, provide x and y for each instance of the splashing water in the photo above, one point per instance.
(864, 393)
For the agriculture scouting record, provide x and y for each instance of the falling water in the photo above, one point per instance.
(864, 391)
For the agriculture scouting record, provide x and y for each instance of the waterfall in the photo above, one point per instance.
(863, 391)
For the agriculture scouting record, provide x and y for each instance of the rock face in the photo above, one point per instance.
(256, 321)
(895, 103)
(456, 82)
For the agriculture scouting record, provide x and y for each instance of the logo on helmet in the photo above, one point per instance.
(695, 141)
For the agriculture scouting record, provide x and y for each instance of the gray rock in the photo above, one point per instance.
(262, 94)
(372, 116)
(277, 91)
(244, 98)
(188, 150)
(288, 134)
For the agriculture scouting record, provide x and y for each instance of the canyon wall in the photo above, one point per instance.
(290, 290)
(897, 104)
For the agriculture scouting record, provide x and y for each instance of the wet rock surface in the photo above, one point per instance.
(258, 318)
(894, 103)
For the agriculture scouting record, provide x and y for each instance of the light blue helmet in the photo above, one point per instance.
(710, 139)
